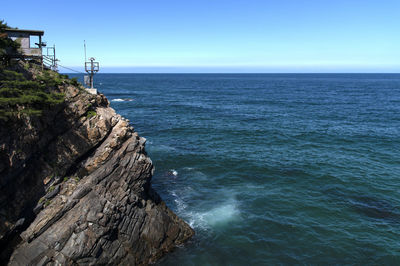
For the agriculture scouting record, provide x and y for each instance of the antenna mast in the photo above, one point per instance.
(84, 45)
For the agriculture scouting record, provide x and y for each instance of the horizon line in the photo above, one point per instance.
(233, 72)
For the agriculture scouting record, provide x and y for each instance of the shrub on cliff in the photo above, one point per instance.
(21, 96)
(8, 47)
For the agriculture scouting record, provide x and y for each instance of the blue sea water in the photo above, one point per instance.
(272, 168)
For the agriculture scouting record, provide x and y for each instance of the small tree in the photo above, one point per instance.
(8, 48)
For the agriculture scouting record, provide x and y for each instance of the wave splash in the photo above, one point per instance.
(220, 215)
(202, 218)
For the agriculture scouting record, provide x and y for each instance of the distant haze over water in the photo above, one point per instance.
(302, 68)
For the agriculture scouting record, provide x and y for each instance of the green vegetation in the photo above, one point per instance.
(74, 82)
(21, 96)
(47, 203)
(8, 48)
(66, 179)
(90, 114)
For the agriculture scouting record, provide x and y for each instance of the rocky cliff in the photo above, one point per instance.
(75, 188)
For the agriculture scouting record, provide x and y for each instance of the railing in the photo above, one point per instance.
(50, 62)
(31, 52)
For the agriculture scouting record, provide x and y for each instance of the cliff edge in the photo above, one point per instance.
(75, 186)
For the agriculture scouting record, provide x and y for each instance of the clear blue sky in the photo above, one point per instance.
(218, 35)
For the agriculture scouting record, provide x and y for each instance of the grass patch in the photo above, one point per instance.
(47, 203)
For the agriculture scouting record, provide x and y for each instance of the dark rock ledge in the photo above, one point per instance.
(75, 189)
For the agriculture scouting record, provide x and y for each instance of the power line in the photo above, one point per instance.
(70, 69)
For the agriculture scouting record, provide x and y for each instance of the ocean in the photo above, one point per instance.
(272, 168)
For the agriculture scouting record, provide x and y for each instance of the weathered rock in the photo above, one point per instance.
(91, 177)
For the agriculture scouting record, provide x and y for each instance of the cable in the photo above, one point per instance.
(70, 69)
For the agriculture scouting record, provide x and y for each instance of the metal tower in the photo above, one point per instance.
(91, 68)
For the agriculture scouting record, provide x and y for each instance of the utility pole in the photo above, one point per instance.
(91, 68)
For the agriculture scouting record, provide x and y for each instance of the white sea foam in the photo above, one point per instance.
(173, 172)
(181, 205)
(122, 100)
(201, 216)
(222, 214)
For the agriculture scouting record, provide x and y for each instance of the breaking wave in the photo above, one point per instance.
(122, 100)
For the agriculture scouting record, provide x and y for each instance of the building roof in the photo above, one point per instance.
(31, 32)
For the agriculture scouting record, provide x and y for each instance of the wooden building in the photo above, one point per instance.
(30, 40)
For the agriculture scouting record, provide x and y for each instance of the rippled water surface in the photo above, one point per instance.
(272, 168)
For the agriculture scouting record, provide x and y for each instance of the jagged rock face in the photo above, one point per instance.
(79, 190)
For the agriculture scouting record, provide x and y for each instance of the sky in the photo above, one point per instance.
(271, 36)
